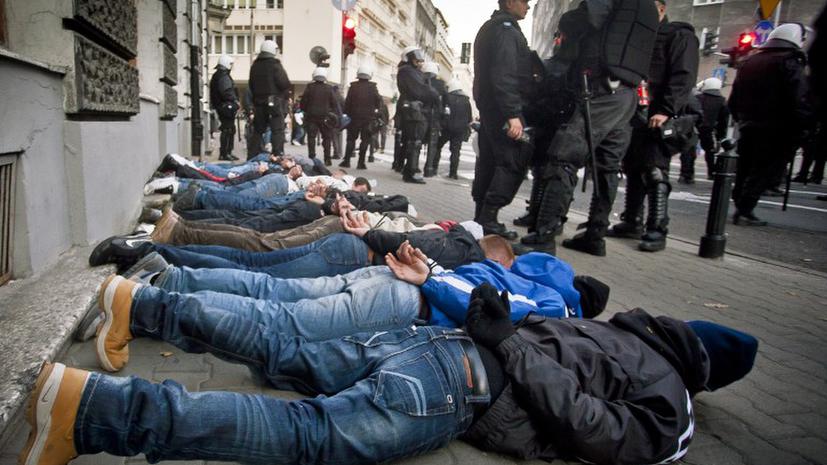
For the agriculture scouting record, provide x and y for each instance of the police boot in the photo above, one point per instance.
(430, 167)
(411, 161)
(488, 219)
(654, 240)
(631, 225)
(361, 164)
(452, 171)
(351, 146)
(528, 220)
(589, 241)
(546, 227)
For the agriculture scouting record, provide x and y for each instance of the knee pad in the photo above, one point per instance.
(654, 176)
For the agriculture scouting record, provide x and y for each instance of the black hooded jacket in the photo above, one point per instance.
(605, 393)
(450, 249)
(268, 78)
(363, 102)
(369, 203)
(674, 69)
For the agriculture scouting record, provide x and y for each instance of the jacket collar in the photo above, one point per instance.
(505, 17)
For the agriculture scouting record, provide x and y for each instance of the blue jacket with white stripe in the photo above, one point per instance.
(536, 283)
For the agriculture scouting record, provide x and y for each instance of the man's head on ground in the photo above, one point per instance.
(661, 6)
(295, 172)
(286, 163)
(731, 352)
(497, 249)
(594, 294)
(362, 185)
(518, 8)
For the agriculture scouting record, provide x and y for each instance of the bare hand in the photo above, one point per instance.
(409, 255)
(311, 197)
(515, 128)
(657, 121)
(415, 273)
(354, 223)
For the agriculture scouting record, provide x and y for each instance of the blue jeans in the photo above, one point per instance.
(383, 396)
(370, 299)
(267, 186)
(211, 199)
(333, 255)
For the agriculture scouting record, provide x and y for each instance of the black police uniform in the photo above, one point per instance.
(611, 45)
(414, 96)
(224, 100)
(318, 102)
(456, 129)
(363, 105)
(502, 84)
(713, 126)
(435, 115)
(269, 85)
(672, 78)
(768, 102)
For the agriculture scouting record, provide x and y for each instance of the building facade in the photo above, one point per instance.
(93, 94)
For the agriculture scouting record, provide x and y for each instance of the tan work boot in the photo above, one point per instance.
(115, 300)
(51, 412)
(165, 226)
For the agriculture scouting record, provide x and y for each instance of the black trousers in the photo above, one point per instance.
(315, 127)
(267, 116)
(270, 220)
(568, 151)
(358, 130)
(762, 154)
(502, 163)
(227, 137)
(413, 131)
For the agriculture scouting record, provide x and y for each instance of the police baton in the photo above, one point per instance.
(587, 119)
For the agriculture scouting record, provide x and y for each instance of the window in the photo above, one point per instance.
(229, 49)
(7, 185)
(242, 3)
(218, 44)
(2, 22)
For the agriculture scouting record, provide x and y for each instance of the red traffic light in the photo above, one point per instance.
(350, 23)
(746, 39)
(348, 35)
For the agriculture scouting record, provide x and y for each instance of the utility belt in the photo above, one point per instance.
(269, 101)
(412, 110)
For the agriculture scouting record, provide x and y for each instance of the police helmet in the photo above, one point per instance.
(269, 46)
(225, 61)
(711, 84)
(412, 54)
(454, 86)
(365, 72)
(320, 74)
(430, 68)
(794, 33)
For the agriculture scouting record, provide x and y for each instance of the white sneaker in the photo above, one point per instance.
(412, 211)
(182, 161)
(162, 186)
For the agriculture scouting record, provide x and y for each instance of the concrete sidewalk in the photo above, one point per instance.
(776, 416)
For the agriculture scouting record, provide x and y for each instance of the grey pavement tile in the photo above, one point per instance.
(100, 459)
(753, 449)
(815, 422)
(814, 449)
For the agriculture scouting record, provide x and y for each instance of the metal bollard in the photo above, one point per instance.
(713, 244)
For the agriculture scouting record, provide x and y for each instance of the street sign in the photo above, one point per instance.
(767, 7)
(719, 73)
(762, 31)
(344, 5)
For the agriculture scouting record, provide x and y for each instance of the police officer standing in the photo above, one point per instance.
(502, 83)
(672, 78)
(269, 86)
(318, 102)
(768, 102)
(224, 100)
(415, 95)
(363, 105)
(604, 53)
(456, 129)
(435, 116)
(712, 128)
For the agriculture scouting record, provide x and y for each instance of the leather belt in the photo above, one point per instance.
(475, 377)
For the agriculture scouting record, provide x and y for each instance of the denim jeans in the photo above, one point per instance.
(331, 256)
(370, 299)
(383, 396)
(266, 186)
(274, 219)
(218, 200)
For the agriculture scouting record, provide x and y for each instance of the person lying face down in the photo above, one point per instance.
(616, 392)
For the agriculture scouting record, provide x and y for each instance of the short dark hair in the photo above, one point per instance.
(360, 181)
(501, 3)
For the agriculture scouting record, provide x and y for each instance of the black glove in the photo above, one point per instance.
(488, 321)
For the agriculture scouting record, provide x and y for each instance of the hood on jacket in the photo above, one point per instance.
(674, 340)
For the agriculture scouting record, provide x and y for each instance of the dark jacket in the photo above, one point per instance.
(715, 113)
(674, 69)
(268, 78)
(461, 113)
(450, 249)
(502, 67)
(319, 100)
(770, 90)
(222, 88)
(370, 203)
(412, 85)
(605, 393)
(818, 67)
(363, 101)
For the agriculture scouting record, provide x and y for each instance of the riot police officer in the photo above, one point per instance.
(712, 128)
(604, 53)
(768, 101)
(435, 114)
(363, 105)
(269, 85)
(224, 100)
(415, 95)
(502, 83)
(456, 128)
(319, 103)
(672, 77)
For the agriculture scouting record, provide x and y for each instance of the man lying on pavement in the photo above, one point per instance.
(266, 186)
(616, 392)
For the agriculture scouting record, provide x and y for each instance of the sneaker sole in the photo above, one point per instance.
(105, 299)
(39, 413)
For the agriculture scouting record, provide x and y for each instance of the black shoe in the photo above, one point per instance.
(773, 192)
(685, 180)
(429, 173)
(116, 248)
(371, 159)
(499, 229)
(520, 249)
(541, 242)
(652, 241)
(337, 157)
(815, 180)
(801, 178)
(748, 219)
(150, 215)
(413, 180)
(626, 230)
(345, 164)
(527, 221)
(327, 162)
(453, 176)
(591, 245)
(168, 164)
(361, 166)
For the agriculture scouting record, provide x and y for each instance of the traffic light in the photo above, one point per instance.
(745, 44)
(348, 35)
(710, 43)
